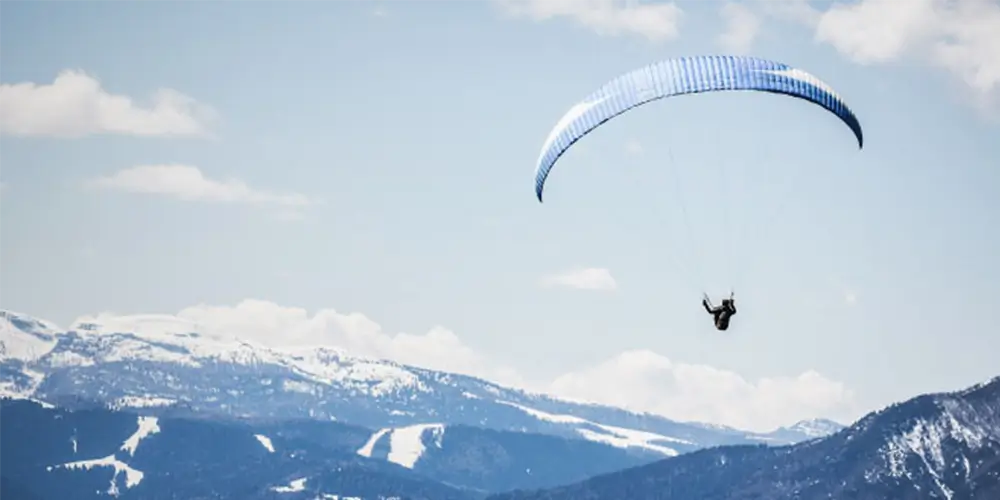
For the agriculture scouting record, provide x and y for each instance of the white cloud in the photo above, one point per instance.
(645, 381)
(742, 27)
(591, 278)
(876, 31)
(638, 380)
(75, 105)
(961, 37)
(653, 21)
(190, 184)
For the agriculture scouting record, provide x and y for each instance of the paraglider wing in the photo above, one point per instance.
(685, 75)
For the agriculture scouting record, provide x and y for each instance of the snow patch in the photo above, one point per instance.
(407, 443)
(627, 438)
(548, 417)
(615, 436)
(132, 476)
(43, 404)
(265, 442)
(293, 486)
(366, 450)
(147, 427)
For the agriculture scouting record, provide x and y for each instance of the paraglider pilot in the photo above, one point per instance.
(722, 313)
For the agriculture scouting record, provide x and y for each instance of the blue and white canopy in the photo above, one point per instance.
(685, 75)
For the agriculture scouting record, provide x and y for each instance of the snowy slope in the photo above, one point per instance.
(167, 366)
(58, 454)
(406, 444)
(132, 477)
(23, 340)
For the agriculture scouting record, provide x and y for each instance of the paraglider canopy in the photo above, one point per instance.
(685, 75)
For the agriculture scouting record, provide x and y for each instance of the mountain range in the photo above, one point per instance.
(932, 446)
(167, 366)
(320, 423)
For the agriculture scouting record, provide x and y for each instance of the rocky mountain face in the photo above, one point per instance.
(943, 446)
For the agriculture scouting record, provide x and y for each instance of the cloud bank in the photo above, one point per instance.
(638, 380)
(642, 380)
(960, 37)
(74, 105)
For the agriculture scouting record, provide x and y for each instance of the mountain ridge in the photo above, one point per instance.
(156, 368)
(937, 445)
(57, 453)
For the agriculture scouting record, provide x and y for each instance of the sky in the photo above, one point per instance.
(361, 174)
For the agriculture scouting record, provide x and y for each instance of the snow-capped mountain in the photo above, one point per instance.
(168, 366)
(944, 446)
(806, 429)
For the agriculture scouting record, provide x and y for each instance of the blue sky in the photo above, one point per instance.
(351, 170)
